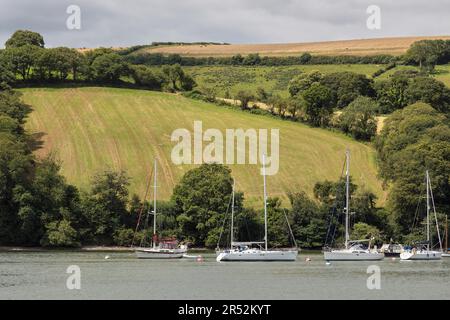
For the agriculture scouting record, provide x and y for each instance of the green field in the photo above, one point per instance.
(276, 79)
(92, 129)
(273, 79)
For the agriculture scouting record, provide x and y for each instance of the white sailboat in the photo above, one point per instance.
(353, 251)
(161, 248)
(244, 251)
(424, 252)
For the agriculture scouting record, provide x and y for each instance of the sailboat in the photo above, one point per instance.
(165, 248)
(445, 253)
(353, 251)
(424, 252)
(244, 251)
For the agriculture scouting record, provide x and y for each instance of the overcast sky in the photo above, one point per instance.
(131, 22)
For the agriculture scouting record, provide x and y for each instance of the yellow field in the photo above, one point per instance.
(93, 129)
(393, 46)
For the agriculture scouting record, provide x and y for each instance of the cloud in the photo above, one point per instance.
(124, 23)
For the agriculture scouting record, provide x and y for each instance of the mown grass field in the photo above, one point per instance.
(92, 129)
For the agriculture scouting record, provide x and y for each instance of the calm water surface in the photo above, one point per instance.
(42, 275)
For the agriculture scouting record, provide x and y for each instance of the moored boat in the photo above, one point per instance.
(254, 251)
(424, 250)
(353, 250)
(165, 248)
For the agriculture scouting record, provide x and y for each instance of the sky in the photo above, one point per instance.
(131, 22)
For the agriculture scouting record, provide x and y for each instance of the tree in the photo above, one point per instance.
(177, 78)
(277, 228)
(22, 38)
(60, 234)
(22, 59)
(109, 67)
(363, 231)
(391, 93)
(308, 221)
(430, 91)
(295, 105)
(6, 69)
(144, 76)
(428, 53)
(305, 58)
(303, 81)
(201, 200)
(358, 118)
(281, 105)
(244, 97)
(106, 204)
(347, 86)
(252, 59)
(318, 104)
(262, 95)
(55, 60)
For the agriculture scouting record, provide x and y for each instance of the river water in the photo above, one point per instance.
(43, 275)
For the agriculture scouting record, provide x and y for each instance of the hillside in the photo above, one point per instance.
(393, 46)
(92, 129)
(272, 79)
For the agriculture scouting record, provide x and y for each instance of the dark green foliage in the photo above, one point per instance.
(303, 81)
(430, 91)
(22, 38)
(318, 104)
(244, 97)
(177, 79)
(7, 75)
(105, 206)
(308, 221)
(428, 53)
(414, 139)
(347, 86)
(109, 67)
(145, 77)
(201, 200)
(358, 118)
(391, 93)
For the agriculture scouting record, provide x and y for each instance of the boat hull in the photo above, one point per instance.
(352, 256)
(430, 255)
(257, 255)
(160, 254)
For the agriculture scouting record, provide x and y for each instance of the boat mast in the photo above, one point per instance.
(446, 234)
(265, 201)
(428, 211)
(232, 216)
(154, 207)
(347, 197)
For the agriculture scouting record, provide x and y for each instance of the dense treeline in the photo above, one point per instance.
(254, 59)
(428, 53)
(25, 59)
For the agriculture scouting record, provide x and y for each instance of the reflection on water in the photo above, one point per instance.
(42, 275)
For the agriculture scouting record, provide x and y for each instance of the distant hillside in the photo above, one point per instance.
(393, 46)
(91, 129)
